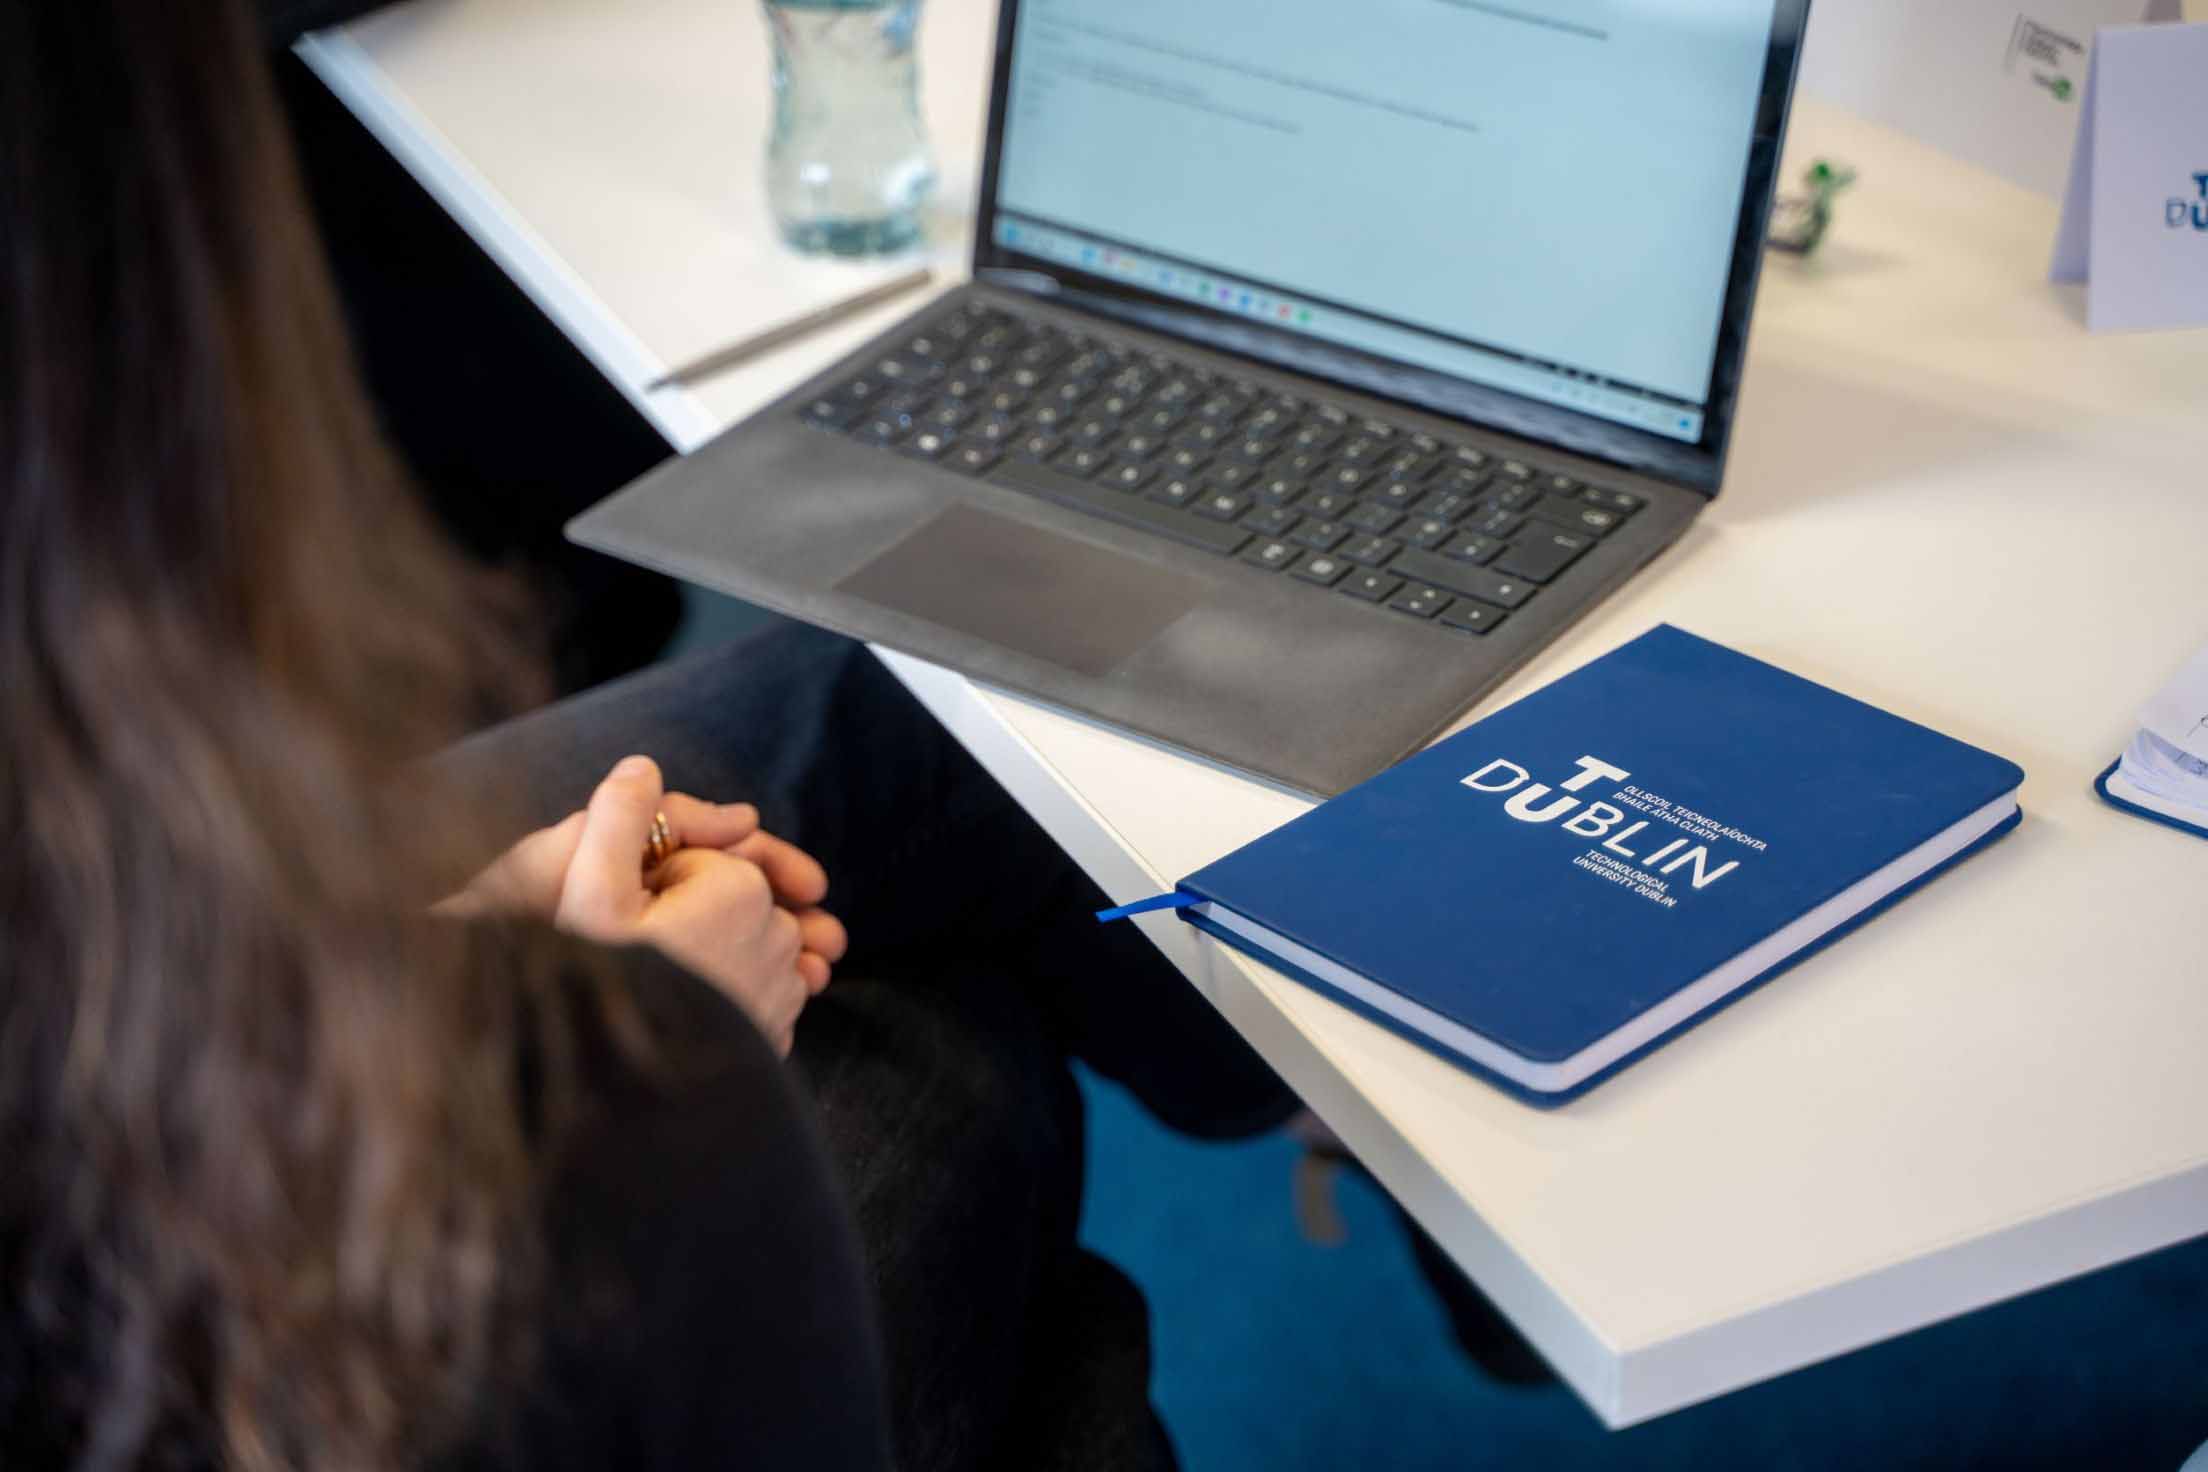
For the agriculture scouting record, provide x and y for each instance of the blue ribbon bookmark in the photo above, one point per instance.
(1179, 899)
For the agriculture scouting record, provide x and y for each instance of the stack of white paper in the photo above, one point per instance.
(2165, 769)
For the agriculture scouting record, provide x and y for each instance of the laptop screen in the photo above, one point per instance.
(1537, 196)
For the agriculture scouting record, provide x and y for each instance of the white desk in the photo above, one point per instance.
(1944, 497)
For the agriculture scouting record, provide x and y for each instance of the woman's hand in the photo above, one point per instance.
(727, 905)
(526, 879)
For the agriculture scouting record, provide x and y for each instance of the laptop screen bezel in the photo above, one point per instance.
(1698, 466)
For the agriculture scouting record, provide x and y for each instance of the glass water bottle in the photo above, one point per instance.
(848, 170)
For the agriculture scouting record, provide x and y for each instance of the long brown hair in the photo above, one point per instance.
(265, 1170)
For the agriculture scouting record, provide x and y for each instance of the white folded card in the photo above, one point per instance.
(2135, 218)
(1996, 82)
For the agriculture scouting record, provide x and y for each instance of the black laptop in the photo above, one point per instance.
(1321, 362)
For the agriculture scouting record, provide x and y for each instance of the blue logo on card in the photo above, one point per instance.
(2179, 213)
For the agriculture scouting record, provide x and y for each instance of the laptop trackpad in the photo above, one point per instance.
(1026, 589)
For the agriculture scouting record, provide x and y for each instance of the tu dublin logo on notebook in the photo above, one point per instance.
(1608, 857)
(2180, 212)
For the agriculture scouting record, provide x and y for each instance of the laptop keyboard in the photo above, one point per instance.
(1342, 502)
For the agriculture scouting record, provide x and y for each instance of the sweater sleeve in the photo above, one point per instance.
(705, 1304)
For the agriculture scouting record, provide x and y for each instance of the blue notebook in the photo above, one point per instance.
(1554, 891)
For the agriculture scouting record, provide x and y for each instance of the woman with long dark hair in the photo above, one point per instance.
(339, 1131)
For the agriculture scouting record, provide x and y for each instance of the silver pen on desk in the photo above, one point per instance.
(743, 351)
